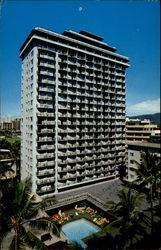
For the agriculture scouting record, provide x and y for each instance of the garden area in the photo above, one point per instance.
(78, 213)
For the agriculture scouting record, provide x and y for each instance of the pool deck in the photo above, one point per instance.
(55, 239)
(99, 193)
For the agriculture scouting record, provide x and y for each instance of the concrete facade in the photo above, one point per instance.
(73, 109)
(140, 130)
(134, 154)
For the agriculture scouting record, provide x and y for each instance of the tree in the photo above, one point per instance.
(5, 144)
(20, 213)
(10, 157)
(122, 172)
(15, 156)
(128, 227)
(100, 240)
(5, 168)
(149, 176)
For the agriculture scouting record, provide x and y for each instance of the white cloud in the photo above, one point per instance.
(80, 9)
(146, 107)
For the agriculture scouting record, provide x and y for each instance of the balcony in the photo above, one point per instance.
(46, 164)
(46, 114)
(48, 81)
(46, 130)
(43, 139)
(46, 172)
(47, 57)
(45, 155)
(46, 65)
(45, 89)
(47, 147)
(46, 122)
(45, 97)
(47, 106)
(45, 181)
(45, 72)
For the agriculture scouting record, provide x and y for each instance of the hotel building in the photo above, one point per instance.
(140, 130)
(73, 110)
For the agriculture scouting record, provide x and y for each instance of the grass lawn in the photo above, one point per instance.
(79, 216)
(12, 140)
(74, 214)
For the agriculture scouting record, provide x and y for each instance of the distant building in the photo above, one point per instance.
(140, 130)
(16, 124)
(6, 126)
(10, 125)
(134, 149)
(9, 119)
(73, 107)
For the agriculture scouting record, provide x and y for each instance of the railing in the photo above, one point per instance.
(73, 199)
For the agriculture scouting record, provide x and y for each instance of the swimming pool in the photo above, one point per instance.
(79, 229)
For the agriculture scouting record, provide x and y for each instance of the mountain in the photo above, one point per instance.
(155, 118)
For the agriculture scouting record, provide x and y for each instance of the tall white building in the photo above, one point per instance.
(73, 109)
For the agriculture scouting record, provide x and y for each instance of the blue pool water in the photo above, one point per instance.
(79, 229)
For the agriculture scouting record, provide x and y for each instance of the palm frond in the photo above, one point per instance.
(31, 208)
(33, 241)
(46, 224)
(22, 192)
(47, 201)
(17, 244)
(114, 224)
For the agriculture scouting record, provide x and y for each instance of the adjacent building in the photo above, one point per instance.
(134, 149)
(73, 110)
(10, 124)
(140, 130)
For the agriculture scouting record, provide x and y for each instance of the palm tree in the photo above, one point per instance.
(20, 215)
(128, 225)
(149, 177)
(101, 240)
(10, 158)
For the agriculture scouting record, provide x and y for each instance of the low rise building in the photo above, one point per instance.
(9, 124)
(134, 149)
(140, 130)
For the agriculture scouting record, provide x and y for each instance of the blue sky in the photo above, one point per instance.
(133, 27)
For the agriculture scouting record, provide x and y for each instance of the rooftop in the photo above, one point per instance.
(83, 38)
